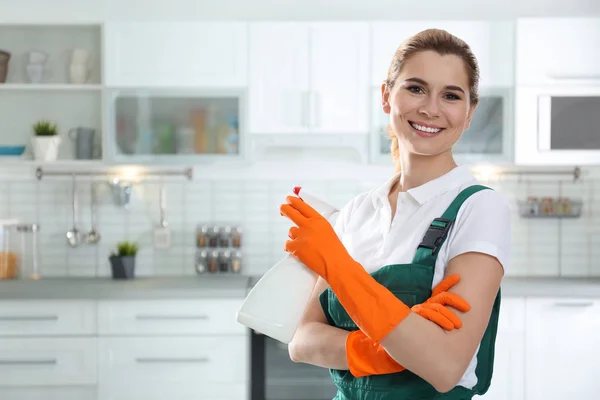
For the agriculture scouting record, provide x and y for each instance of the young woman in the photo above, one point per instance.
(392, 245)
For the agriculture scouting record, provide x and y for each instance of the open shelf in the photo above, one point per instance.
(57, 97)
(57, 42)
(49, 87)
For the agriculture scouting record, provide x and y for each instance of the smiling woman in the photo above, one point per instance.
(433, 79)
(408, 301)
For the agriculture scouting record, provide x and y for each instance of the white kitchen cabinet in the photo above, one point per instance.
(207, 367)
(309, 78)
(169, 317)
(47, 361)
(562, 351)
(508, 379)
(49, 393)
(176, 54)
(47, 318)
(490, 41)
(557, 51)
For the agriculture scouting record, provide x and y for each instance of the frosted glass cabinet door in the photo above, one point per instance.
(487, 134)
(155, 125)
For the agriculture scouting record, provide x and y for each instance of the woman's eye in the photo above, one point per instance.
(414, 89)
(452, 96)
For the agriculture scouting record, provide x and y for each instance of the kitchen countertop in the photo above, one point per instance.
(234, 286)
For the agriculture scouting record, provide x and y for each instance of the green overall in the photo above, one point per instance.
(412, 283)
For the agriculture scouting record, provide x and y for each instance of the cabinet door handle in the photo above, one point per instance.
(160, 360)
(151, 317)
(29, 318)
(43, 361)
(574, 304)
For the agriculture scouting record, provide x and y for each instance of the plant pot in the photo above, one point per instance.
(123, 267)
(45, 148)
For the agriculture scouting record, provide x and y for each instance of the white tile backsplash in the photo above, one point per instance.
(541, 247)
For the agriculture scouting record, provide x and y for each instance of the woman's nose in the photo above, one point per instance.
(430, 107)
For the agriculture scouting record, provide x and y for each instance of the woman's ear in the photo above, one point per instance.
(385, 97)
(470, 116)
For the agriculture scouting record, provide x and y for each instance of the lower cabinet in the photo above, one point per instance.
(208, 367)
(123, 350)
(562, 349)
(547, 348)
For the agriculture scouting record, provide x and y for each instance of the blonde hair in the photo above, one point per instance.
(443, 43)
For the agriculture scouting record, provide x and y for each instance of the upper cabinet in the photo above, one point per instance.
(176, 54)
(309, 78)
(492, 42)
(558, 51)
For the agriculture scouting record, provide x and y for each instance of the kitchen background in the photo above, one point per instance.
(213, 112)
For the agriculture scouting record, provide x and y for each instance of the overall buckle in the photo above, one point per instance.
(436, 234)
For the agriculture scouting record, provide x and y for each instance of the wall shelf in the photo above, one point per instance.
(48, 87)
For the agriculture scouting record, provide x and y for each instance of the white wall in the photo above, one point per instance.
(96, 10)
(251, 197)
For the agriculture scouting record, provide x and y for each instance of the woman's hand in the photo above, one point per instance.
(372, 307)
(366, 357)
(313, 240)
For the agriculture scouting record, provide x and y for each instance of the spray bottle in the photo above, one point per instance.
(277, 302)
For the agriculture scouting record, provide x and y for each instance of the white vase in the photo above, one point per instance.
(45, 148)
(36, 72)
(78, 73)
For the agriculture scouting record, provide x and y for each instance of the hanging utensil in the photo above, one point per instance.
(93, 235)
(162, 233)
(73, 235)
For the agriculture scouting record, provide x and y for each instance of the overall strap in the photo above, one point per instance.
(437, 232)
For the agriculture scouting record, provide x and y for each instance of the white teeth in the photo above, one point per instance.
(424, 128)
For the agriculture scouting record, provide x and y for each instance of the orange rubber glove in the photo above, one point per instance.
(366, 357)
(372, 307)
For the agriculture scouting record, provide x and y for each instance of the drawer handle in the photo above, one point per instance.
(29, 318)
(170, 317)
(149, 360)
(49, 361)
(574, 304)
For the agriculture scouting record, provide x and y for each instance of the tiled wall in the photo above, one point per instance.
(569, 247)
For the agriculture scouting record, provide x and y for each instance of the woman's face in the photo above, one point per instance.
(429, 103)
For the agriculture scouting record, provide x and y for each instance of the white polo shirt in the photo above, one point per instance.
(375, 239)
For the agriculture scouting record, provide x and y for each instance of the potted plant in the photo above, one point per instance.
(122, 261)
(45, 141)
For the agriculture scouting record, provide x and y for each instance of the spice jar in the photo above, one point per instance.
(225, 236)
(236, 261)
(213, 261)
(202, 262)
(236, 236)
(224, 260)
(533, 206)
(202, 236)
(213, 236)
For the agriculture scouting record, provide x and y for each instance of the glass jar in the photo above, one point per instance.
(9, 256)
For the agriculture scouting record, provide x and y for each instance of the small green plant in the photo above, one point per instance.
(125, 248)
(45, 128)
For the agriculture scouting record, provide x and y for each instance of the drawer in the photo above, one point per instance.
(48, 393)
(167, 317)
(146, 366)
(47, 362)
(208, 391)
(47, 318)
